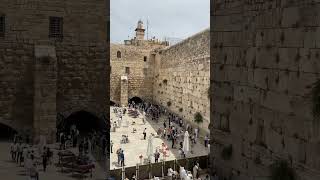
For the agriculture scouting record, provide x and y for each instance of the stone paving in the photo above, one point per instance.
(138, 146)
(11, 170)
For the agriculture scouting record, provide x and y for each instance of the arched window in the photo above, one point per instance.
(118, 54)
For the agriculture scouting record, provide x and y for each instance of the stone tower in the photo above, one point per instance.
(140, 31)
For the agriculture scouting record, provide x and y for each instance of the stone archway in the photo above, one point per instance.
(6, 132)
(136, 100)
(85, 122)
(112, 103)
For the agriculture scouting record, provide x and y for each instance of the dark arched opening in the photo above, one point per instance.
(136, 100)
(85, 122)
(6, 132)
(112, 103)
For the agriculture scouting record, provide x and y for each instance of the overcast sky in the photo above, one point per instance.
(167, 18)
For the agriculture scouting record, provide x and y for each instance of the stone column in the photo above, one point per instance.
(45, 86)
(124, 91)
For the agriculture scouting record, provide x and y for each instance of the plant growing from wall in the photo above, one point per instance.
(198, 118)
(168, 103)
(316, 100)
(165, 81)
(226, 152)
(280, 170)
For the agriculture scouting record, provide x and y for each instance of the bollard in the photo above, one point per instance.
(123, 173)
(137, 171)
(162, 170)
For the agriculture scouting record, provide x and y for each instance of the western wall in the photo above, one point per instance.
(181, 77)
(265, 61)
(177, 74)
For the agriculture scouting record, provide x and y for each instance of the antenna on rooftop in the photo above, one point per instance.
(147, 29)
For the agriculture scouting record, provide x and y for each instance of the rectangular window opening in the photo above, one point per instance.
(56, 28)
(2, 25)
(127, 70)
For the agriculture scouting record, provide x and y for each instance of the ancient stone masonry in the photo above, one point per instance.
(71, 73)
(181, 77)
(265, 60)
(177, 75)
(134, 60)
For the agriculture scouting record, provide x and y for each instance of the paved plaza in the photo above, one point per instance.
(137, 146)
(11, 170)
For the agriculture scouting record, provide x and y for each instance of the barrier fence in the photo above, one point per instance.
(148, 171)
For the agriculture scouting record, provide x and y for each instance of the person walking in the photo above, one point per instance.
(18, 151)
(118, 155)
(144, 133)
(196, 132)
(206, 140)
(156, 156)
(49, 155)
(111, 145)
(122, 158)
(44, 159)
(172, 138)
(195, 170)
(33, 171)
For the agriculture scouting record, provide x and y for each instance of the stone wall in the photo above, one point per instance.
(265, 59)
(181, 77)
(140, 77)
(82, 68)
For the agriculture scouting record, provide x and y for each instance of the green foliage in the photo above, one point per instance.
(198, 118)
(168, 103)
(280, 170)
(316, 100)
(226, 152)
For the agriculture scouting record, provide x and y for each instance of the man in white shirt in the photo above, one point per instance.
(195, 171)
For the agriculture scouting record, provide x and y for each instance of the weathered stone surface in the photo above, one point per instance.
(178, 74)
(269, 70)
(41, 77)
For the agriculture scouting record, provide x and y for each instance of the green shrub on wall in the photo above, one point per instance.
(198, 118)
(280, 170)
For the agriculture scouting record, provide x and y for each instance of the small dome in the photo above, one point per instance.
(140, 24)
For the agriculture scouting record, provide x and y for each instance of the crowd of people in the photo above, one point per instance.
(173, 129)
(30, 156)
